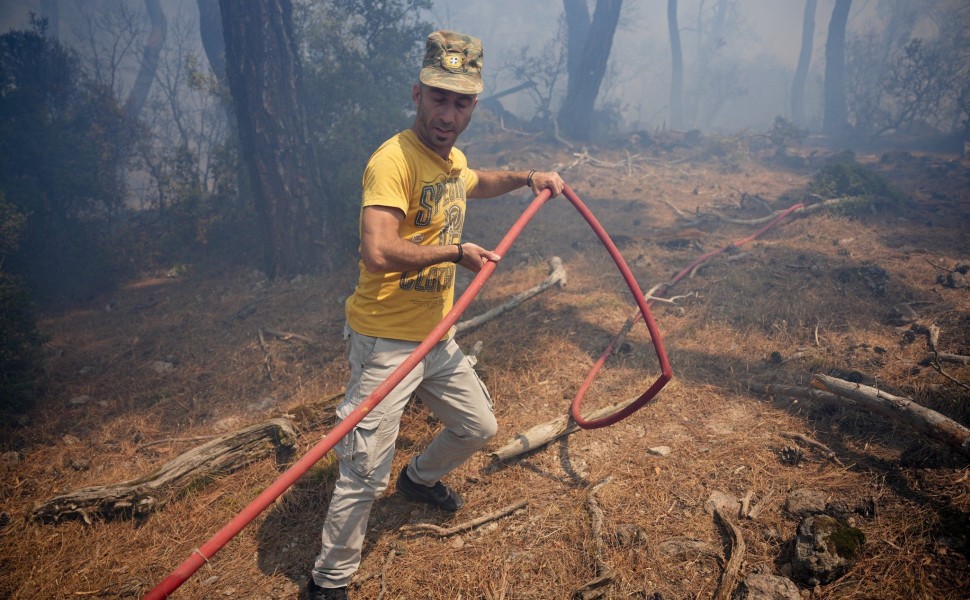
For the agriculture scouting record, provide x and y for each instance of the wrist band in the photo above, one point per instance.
(461, 253)
(528, 180)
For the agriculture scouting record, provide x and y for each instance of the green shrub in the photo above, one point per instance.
(20, 342)
(360, 60)
(850, 179)
(785, 133)
(65, 143)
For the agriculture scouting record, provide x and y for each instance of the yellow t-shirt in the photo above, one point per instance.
(405, 174)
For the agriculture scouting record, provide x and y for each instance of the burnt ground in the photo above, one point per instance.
(818, 293)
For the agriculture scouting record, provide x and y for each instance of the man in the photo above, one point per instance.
(413, 211)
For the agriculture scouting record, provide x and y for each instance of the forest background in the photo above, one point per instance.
(137, 138)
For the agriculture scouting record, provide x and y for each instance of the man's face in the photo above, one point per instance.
(441, 116)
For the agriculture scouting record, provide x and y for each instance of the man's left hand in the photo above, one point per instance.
(548, 180)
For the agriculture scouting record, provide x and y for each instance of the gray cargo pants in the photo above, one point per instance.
(446, 382)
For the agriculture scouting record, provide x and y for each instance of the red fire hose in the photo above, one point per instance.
(202, 554)
(644, 312)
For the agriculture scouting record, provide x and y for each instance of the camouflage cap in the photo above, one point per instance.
(453, 61)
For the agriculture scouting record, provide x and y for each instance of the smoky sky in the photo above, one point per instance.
(749, 76)
(758, 53)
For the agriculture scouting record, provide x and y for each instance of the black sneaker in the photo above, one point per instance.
(315, 592)
(439, 494)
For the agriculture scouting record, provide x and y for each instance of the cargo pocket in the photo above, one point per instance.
(369, 443)
(356, 449)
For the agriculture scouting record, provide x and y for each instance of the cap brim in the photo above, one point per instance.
(455, 82)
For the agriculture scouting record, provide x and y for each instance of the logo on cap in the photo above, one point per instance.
(453, 62)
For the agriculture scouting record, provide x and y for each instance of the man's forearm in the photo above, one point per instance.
(496, 183)
(401, 255)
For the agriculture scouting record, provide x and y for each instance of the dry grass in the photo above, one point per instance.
(804, 298)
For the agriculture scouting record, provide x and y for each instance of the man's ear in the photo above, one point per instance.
(416, 94)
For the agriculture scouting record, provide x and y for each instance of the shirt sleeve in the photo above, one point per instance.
(471, 177)
(471, 181)
(387, 180)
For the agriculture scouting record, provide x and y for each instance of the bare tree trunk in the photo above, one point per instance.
(835, 119)
(149, 62)
(577, 30)
(214, 45)
(576, 115)
(210, 30)
(266, 83)
(702, 104)
(804, 60)
(677, 69)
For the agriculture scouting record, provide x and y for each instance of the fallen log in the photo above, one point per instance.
(557, 276)
(943, 357)
(543, 433)
(800, 393)
(139, 497)
(903, 410)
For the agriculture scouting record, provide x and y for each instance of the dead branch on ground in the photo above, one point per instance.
(593, 589)
(557, 276)
(267, 355)
(596, 587)
(934, 359)
(198, 466)
(585, 158)
(672, 300)
(676, 210)
(943, 357)
(810, 208)
(388, 559)
(837, 392)
(730, 576)
(801, 393)
(753, 510)
(467, 525)
(903, 410)
(700, 217)
(543, 433)
(287, 336)
(811, 443)
(939, 369)
(745, 512)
